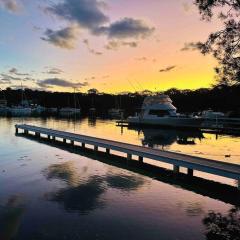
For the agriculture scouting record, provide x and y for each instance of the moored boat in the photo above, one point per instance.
(159, 111)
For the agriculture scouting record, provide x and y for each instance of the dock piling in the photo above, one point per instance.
(176, 169)
(107, 151)
(140, 159)
(129, 156)
(190, 172)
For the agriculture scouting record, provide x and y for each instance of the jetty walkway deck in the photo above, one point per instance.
(178, 160)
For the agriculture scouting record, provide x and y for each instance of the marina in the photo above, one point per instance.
(177, 160)
(44, 179)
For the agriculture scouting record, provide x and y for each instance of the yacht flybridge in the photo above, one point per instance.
(159, 110)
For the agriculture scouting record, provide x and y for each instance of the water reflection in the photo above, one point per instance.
(223, 226)
(65, 172)
(83, 198)
(84, 194)
(10, 217)
(166, 137)
(125, 182)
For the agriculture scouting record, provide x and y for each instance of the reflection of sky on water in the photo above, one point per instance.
(84, 194)
(62, 195)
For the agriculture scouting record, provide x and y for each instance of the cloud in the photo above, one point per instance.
(57, 82)
(145, 59)
(116, 44)
(167, 69)
(10, 5)
(127, 28)
(63, 38)
(16, 72)
(142, 59)
(54, 71)
(91, 50)
(86, 13)
(191, 46)
(8, 78)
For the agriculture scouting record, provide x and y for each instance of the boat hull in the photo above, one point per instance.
(168, 122)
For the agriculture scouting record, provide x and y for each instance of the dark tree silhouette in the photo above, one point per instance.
(224, 44)
(223, 227)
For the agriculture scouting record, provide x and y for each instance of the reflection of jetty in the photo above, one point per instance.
(177, 160)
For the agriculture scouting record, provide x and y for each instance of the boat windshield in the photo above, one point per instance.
(160, 99)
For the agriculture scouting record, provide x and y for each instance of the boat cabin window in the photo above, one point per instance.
(159, 113)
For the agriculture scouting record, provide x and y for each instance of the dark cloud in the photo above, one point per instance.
(51, 82)
(11, 5)
(145, 59)
(89, 14)
(91, 50)
(54, 71)
(142, 59)
(86, 13)
(191, 46)
(8, 78)
(167, 69)
(127, 28)
(16, 87)
(63, 38)
(116, 44)
(16, 72)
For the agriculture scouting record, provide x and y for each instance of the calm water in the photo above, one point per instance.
(49, 193)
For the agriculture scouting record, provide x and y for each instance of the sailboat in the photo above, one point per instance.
(21, 110)
(116, 112)
(3, 106)
(69, 111)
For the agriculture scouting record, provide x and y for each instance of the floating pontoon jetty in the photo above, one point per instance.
(178, 160)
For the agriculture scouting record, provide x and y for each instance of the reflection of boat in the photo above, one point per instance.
(167, 137)
(158, 110)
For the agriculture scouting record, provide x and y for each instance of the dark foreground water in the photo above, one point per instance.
(49, 193)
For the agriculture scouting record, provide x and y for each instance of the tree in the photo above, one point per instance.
(93, 91)
(222, 227)
(224, 45)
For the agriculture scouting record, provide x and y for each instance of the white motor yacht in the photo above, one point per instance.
(159, 110)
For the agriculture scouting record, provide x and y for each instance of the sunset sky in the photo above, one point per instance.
(111, 45)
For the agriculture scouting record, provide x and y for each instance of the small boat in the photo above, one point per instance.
(211, 114)
(158, 110)
(69, 112)
(38, 110)
(92, 112)
(52, 110)
(116, 113)
(3, 107)
(18, 111)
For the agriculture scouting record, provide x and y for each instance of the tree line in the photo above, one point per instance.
(219, 98)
